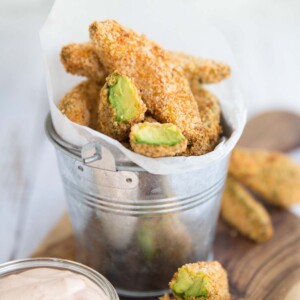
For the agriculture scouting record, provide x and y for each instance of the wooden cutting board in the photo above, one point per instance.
(269, 271)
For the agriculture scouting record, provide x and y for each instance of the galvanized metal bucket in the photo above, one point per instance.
(134, 227)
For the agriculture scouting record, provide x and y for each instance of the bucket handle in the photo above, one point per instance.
(103, 165)
(97, 156)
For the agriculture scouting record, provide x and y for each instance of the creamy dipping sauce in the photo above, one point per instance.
(48, 283)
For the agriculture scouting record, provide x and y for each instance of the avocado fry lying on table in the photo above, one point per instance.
(157, 140)
(243, 212)
(201, 280)
(120, 107)
(272, 175)
(82, 59)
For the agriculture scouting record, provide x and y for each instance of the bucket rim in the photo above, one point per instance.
(229, 143)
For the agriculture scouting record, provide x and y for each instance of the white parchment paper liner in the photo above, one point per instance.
(176, 25)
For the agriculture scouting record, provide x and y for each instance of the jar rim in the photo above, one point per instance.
(64, 264)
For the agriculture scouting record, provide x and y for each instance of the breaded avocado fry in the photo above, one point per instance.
(272, 175)
(201, 280)
(81, 59)
(209, 109)
(243, 212)
(81, 102)
(157, 140)
(120, 107)
(201, 69)
(164, 89)
(210, 113)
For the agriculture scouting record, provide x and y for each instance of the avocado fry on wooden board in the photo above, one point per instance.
(272, 175)
(200, 280)
(243, 212)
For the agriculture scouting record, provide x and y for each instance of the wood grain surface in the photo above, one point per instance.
(268, 271)
(273, 130)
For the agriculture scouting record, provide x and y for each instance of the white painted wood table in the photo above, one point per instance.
(31, 195)
(263, 36)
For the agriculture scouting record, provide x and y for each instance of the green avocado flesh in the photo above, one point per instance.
(187, 285)
(158, 134)
(146, 242)
(123, 98)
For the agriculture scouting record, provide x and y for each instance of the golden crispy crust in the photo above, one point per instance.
(217, 276)
(271, 175)
(209, 108)
(243, 212)
(81, 102)
(153, 150)
(201, 69)
(107, 116)
(210, 113)
(158, 151)
(81, 59)
(165, 91)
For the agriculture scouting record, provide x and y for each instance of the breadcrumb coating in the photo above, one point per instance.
(155, 150)
(81, 59)
(202, 69)
(165, 90)
(272, 175)
(210, 113)
(80, 104)
(108, 123)
(164, 78)
(243, 212)
(217, 287)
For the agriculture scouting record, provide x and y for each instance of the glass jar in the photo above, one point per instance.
(18, 266)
